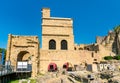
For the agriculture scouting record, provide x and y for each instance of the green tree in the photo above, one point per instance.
(0, 50)
(3, 49)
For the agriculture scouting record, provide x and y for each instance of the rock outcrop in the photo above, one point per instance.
(111, 42)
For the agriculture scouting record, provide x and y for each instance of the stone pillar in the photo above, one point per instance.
(45, 13)
(35, 62)
(9, 47)
(34, 67)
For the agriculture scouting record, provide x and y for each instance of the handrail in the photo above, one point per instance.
(4, 70)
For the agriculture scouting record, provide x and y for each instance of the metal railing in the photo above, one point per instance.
(4, 70)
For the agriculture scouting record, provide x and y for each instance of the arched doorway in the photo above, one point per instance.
(68, 66)
(24, 61)
(52, 67)
(23, 56)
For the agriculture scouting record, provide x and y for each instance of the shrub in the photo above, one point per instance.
(117, 57)
(108, 57)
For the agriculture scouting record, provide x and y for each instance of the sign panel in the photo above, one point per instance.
(22, 65)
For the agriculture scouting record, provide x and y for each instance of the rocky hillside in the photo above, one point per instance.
(112, 41)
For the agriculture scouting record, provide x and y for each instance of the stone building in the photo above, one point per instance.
(21, 48)
(57, 46)
(58, 43)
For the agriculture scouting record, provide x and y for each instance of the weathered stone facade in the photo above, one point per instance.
(57, 46)
(110, 42)
(21, 48)
(59, 29)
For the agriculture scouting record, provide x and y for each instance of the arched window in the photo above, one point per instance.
(64, 45)
(52, 44)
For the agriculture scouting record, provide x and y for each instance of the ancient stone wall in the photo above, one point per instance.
(109, 42)
(21, 48)
(60, 57)
(58, 29)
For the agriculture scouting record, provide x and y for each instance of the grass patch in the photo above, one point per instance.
(24, 82)
(14, 81)
(32, 80)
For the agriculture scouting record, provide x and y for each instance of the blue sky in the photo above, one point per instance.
(91, 17)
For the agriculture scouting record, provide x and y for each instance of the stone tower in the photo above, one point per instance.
(57, 33)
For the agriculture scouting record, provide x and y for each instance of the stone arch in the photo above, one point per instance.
(64, 45)
(23, 48)
(52, 44)
(23, 56)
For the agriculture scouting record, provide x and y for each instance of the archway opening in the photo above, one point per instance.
(23, 56)
(52, 67)
(68, 66)
(24, 62)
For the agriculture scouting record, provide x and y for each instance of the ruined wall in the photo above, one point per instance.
(75, 57)
(21, 48)
(58, 29)
(108, 42)
(62, 28)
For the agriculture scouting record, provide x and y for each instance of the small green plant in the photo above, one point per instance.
(108, 57)
(32, 80)
(117, 57)
(24, 82)
(117, 29)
